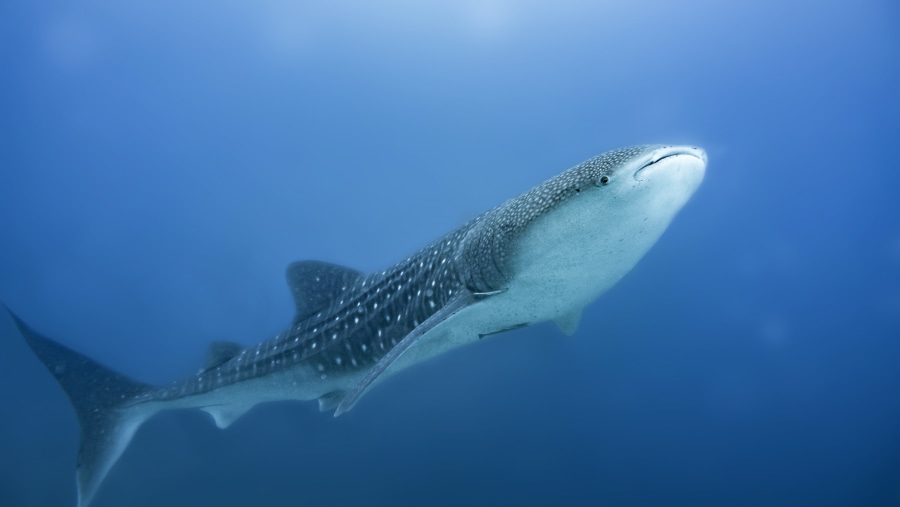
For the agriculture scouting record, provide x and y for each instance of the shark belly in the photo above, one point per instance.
(300, 382)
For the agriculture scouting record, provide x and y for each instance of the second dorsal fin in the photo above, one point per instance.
(315, 284)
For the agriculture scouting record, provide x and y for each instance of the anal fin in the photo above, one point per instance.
(225, 415)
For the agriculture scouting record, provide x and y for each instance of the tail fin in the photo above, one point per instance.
(100, 397)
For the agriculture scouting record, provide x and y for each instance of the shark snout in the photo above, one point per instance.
(673, 158)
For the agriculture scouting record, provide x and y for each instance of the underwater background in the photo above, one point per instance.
(161, 162)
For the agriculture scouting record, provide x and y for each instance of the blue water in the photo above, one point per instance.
(162, 162)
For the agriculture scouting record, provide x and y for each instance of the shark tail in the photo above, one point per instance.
(104, 404)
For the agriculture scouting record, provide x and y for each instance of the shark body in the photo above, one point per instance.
(541, 256)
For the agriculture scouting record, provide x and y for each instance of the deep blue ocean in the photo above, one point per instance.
(162, 162)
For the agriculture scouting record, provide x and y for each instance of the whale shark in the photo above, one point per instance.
(541, 256)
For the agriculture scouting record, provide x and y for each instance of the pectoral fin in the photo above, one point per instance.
(461, 300)
(569, 323)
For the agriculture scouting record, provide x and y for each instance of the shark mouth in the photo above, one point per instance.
(670, 152)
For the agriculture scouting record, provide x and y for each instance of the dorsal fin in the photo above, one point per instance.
(315, 284)
(219, 353)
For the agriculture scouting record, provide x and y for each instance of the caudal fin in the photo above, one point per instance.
(101, 398)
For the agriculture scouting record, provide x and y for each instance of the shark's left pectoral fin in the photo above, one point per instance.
(461, 300)
(568, 323)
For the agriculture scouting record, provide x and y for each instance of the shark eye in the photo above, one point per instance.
(604, 180)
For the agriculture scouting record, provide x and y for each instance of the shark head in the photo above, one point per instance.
(639, 195)
(656, 180)
(568, 240)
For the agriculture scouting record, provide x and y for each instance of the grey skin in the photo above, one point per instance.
(541, 256)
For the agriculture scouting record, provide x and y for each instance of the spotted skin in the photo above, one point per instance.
(364, 320)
